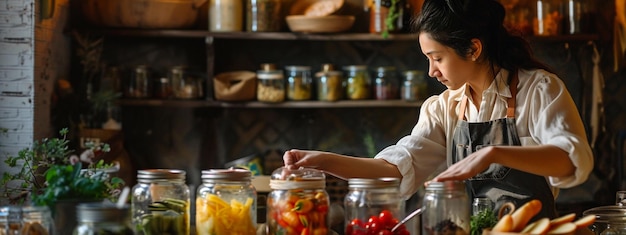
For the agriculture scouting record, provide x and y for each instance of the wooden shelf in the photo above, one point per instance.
(283, 105)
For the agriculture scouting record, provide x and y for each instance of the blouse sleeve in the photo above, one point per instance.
(422, 152)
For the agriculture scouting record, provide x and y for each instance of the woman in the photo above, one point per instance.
(513, 154)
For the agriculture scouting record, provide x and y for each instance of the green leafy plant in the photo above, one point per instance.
(392, 17)
(482, 220)
(48, 172)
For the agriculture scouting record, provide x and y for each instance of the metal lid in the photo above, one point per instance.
(101, 212)
(226, 175)
(446, 186)
(297, 68)
(385, 182)
(302, 178)
(608, 214)
(271, 74)
(160, 174)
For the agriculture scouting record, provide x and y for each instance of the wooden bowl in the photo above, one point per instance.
(315, 7)
(320, 24)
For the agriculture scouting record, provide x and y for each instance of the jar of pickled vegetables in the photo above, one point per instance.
(160, 202)
(372, 206)
(330, 85)
(101, 218)
(386, 81)
(226, 202)
(299, 82)
(298, 202)
(357, 82)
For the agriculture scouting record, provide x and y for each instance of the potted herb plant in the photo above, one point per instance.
(50, 174)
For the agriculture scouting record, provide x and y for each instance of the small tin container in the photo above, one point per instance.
(160, 202)
(226, 189)
(298, 202)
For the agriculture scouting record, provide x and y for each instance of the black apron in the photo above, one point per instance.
(499, 183)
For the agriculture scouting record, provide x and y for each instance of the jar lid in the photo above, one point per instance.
(385, 182)
(268, 66)
(355, 67)
(446, 186)
(231, 174)
(101, 212)
(608, 214)
(385, 68)
(160, 174)
(302, 178)
(414, 74)
(328, 73)
(269, 75)
(297, 68)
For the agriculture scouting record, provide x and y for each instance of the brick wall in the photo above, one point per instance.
(33, 54)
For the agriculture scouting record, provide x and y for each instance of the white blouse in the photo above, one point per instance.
(545, 114)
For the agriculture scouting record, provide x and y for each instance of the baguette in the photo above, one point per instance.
(522, 215)
(540, 226)
(505, 224)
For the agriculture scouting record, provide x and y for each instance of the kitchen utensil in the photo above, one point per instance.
(418, 211)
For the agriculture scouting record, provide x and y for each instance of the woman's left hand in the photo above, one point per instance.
(470, 166)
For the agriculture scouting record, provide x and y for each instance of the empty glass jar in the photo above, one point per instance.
(446, 208)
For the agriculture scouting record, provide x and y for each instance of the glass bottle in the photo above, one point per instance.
(446, 207)
(548, 18)
(386, 83)
(298, 202)
(226, 189)
(372, 198)
(140, 83)
(299, 82)
(414, 86)
(160, 202)
(380, 12)
(357, 82)
(330, 85)
(263, 15)
(270, 84)
(100, 218)
(225, 15)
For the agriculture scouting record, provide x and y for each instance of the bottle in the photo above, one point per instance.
(386, 83)
(373, 198)
(226, 189)
(298, 202)
(386, 16)
(160, 202)
(357, 82)
(225, 15)
(330, 85)
(414, 86)
(547, 18)
(446, 208)
(263, 15)
(101, 218)
(270, 84)
(299, 82)
(140, 83)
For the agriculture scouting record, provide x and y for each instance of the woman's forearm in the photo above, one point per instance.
(346, 167)
(544, 160)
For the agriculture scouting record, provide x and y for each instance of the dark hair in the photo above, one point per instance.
(454, 23)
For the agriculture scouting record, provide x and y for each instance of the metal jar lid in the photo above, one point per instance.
(101, 212)
(363, 183)
(226, 175)
(150, 175)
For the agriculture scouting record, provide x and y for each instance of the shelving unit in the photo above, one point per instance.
(211, 37)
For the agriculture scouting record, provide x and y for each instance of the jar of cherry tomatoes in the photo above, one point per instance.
(228, 190)
(298, 202)
(372, 206)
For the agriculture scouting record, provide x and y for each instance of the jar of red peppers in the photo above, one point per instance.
(372, 206)
(226, 202)
(298, 203)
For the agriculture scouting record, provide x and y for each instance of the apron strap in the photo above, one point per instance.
(510, 111)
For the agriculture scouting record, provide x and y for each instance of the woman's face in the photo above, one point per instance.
(445, 64)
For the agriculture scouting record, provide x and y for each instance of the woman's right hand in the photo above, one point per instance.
(294, 159)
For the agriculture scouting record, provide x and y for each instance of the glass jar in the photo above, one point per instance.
(299, 82)
(225, 15)
(373, 198)
(160, 202)
(140, 83)
(446, 208)
(481, 204)
(330, 85)
(163, 88)
(386, 83)
(357, 82)
(26, 220)
(101, 218)
(414, 86)
(548, 18)
(270, 85)
(230, 190)
(298, 202)
(263, 15)
(185, 85)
